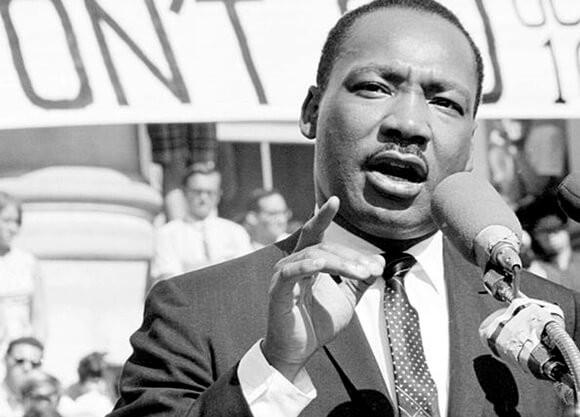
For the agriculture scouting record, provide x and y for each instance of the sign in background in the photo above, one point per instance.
(74, 62)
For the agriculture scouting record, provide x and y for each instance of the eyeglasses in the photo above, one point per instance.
(199, 192)
(22, 361)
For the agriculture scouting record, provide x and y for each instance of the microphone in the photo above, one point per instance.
(569, 196)
(476, 219)
(472, 214)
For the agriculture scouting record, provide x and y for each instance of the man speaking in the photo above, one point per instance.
(336, 320)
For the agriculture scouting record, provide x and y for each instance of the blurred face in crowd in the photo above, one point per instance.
(396, 118)
(9, 226)
(514, 129)
(271, 221)
(40, 388)
(551, 236)
(203, 193)
(21, 361)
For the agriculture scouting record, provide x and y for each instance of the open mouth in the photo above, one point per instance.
(399, 167)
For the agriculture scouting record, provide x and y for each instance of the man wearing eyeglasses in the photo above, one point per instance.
(23, 355)
(202, 238)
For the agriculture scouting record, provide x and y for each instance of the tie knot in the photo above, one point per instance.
(398, 265)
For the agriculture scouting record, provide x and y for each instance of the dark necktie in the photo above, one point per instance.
(415, 388)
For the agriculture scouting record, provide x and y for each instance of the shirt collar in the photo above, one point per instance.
(429, 256)
(190, 219)
(428, 252)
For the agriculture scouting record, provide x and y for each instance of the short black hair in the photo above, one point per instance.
(533, 214)
(338, 34)
(93, 365)
(27, 340)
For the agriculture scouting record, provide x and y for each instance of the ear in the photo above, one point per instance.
(469, 164)
(309, 113)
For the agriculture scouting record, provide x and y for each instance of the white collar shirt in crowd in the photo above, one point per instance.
(10, 406)
(268, 393)
(185, 245)
(19, 280)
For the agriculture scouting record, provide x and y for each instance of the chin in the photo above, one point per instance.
(400, 224)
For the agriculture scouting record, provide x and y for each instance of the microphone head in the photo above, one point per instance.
(569, 196)
(463, 205)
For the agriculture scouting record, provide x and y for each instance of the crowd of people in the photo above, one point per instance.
(200, 237)
(527, 163)
(197, 239)
(27, 390)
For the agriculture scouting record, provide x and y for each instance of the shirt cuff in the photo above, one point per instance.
(267, 391)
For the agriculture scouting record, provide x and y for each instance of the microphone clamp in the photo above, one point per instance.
(499, 246)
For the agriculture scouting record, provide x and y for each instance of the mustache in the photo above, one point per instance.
(409, 148)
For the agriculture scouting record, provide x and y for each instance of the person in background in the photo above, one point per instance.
(23, 356)
(546, 150)
(511, 172)
(335, 320)
(42, 389)
(22, 294)
(553, 258)
(92, 393)
(202, 238)
(266, 218)
(43, 409)
(175, 147)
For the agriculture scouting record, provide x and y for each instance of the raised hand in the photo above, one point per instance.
(307, 307)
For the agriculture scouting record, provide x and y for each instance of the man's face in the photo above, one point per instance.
(20, 362)
(203, 194)
(395, 119)
(9, 225)
(272, 219)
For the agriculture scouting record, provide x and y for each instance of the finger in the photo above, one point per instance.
(313, 230)
(315, 260)
(374, 263)
(290, 274)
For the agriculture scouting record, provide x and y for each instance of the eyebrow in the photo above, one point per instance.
(397, 75)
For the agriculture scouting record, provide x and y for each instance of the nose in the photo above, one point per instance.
(407, 120)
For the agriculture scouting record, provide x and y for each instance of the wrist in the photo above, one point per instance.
(289, 369)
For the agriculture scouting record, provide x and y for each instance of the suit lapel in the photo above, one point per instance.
(347, 376)
(354, 355)
(469, 304)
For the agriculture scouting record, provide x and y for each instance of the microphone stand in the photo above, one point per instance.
(505, 287)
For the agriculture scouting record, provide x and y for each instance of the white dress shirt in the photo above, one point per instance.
(269, 393)
(185, 245)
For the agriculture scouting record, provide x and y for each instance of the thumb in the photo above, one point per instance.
(313, 230)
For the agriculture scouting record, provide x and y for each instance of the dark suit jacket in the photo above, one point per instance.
(197, 326)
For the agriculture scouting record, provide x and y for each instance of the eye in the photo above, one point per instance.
(372, 89)
(449, 104)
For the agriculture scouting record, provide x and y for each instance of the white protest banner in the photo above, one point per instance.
(74, 62)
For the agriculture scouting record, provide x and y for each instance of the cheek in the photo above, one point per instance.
(453, 156)
(351, 123)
